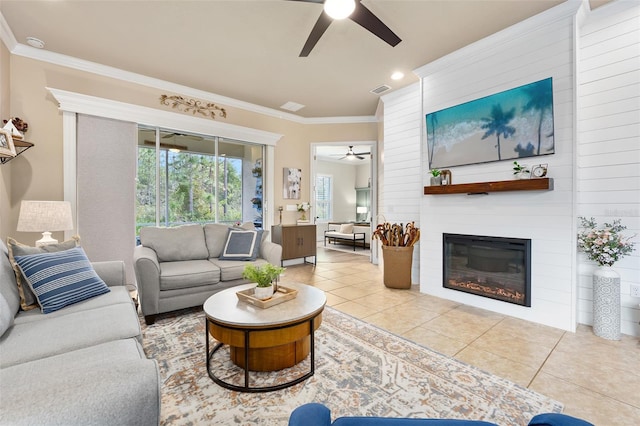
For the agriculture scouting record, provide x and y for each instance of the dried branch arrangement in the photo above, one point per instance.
(397, 235)
(193, 106)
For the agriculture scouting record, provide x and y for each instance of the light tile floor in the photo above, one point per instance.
(596, 379)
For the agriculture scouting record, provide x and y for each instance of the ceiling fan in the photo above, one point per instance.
(185, 135)
(350, 155)
(360, 15)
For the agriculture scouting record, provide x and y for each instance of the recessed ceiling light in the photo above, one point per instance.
(397, 75)
(292, 106)
(35, 42)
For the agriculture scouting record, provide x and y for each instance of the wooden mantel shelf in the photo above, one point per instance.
(545, 184)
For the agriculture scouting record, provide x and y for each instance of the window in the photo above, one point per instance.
(324, 196)
(197, 179)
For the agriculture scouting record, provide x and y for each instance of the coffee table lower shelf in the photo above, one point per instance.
(269, 349)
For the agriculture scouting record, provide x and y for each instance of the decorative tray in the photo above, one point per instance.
(282, 295)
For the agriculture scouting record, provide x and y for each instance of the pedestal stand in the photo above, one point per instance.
(606, 303)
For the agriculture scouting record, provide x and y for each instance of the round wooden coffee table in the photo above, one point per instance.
(277, 337)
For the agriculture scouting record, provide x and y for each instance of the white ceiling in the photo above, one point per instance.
(248, 50)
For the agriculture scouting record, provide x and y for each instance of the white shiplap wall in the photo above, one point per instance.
(538, 48)
(608, 151)
(401, 162)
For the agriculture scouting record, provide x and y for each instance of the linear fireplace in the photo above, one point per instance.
(494, 267)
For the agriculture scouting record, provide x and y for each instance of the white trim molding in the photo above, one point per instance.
(91, 105)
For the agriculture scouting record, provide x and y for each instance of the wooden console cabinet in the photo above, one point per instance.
(296, 240)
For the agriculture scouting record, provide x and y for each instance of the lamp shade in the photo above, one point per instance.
(41, 216)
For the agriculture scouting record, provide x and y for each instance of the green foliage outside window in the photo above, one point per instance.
(187, 184)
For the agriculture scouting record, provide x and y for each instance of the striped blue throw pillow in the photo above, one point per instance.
(61, 279)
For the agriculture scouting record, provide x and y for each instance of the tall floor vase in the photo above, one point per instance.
(606, 303)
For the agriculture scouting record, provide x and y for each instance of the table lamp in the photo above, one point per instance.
(45, 217)
(361, 210)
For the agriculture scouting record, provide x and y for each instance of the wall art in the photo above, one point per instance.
(292, 181)
(7, 149)
(516, 123)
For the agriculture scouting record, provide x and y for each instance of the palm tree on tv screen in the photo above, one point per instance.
(498, 124)
(541, 100)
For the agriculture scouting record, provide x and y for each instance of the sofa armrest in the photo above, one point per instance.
(111, 272)
(311, 414)
(147, 269)
(555, 419)
(271, 252)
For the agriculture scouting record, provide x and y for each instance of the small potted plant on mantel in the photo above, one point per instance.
(263, 276)
(436, 178)
(520, 171)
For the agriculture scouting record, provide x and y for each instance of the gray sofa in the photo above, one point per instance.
(80, 365)
(179, 267)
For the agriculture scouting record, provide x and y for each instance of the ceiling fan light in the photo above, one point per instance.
(339, 9)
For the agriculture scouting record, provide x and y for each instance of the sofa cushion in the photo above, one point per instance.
(215, 235)
(232, 269)
(241, 244)
(111, 383)
(118, 294)
(27, 298)
(25, 342)
(346, 228)
(62, 278)
(188, 273)
(184, 242)
(8, 287)
(6, 315)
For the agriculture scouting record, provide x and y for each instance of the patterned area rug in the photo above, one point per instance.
(360, 370)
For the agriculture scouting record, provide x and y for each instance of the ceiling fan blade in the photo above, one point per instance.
(359, 157)
(361, 153)
(367, 20)
(319, 28)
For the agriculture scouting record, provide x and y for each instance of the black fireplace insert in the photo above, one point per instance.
(494, 267)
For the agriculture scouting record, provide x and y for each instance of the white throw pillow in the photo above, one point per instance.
(346, 228)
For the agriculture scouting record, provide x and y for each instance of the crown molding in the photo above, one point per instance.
(19, 49)
(101, 107)
(6, 35)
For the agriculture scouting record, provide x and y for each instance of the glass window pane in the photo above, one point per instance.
(199, 178)
(323, 197)
(146, 188)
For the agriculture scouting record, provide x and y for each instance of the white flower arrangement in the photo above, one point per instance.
(606, 245)
(303, 207)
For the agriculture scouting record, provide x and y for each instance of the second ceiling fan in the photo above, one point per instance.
(360, 15)
(350, 155)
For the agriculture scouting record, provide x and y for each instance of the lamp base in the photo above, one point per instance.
(46, 240)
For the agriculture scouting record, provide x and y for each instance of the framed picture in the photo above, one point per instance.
(516, 123)
(291, 183)
(539, 171)
(7, 149)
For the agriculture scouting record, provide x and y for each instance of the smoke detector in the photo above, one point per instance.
(35, 42)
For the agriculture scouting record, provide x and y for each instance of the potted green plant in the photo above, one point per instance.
(263, 276)
(520, 171)
(436, 177)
